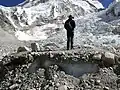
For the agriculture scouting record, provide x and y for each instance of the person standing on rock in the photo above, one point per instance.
(69, 26)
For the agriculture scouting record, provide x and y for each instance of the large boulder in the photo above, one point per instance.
(63, 87)
(108, 59)
(18, 59)
(97, 56)
(23, 49)
(35, 47)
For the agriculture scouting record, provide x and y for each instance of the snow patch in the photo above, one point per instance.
(27, 36)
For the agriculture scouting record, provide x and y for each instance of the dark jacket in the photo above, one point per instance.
(69, 25)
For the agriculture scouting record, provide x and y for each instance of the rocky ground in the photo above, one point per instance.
(17, 76)
(19, 79)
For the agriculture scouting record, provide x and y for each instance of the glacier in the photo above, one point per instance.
(43, 21)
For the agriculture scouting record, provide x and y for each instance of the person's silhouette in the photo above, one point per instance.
(69, 26)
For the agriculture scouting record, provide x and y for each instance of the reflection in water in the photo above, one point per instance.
(75, 69)
(79, 69)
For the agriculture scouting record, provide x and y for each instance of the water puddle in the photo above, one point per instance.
(75, 69)
(79, 69)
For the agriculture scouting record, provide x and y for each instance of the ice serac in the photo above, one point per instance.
(44, 20)
(45, 10)
(40, 13)
(99, 29)
(5, 22)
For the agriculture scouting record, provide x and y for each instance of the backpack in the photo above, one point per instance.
(68, 25)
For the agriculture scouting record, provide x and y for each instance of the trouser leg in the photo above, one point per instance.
(72, 40)
(71, 43)
(68, 42)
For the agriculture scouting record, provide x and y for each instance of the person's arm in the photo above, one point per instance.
(73, 24)
(65, 25)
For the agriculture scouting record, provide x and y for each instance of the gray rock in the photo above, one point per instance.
(57, 84)
(51, 88)
(63, 87)
(81, 88)
(92, 81)
(32, 89)
(13, 87)
(106, 88)
(19, 58)
(87, 86)
(97, 87)
(35, 47)
(113, 41)
(116, 30)
(30, 57)
(23, 49)
(108, 59)
(97, 56)
(47, 86)
(51, 55)
(97, 82)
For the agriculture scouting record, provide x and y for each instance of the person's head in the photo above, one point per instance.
(70, 17)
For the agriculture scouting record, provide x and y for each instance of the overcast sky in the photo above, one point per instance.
(15, 2)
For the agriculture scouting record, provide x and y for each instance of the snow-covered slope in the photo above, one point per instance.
(44, 20)
(99, 29)
(34, 10)
(39, 19)
(5, 23)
